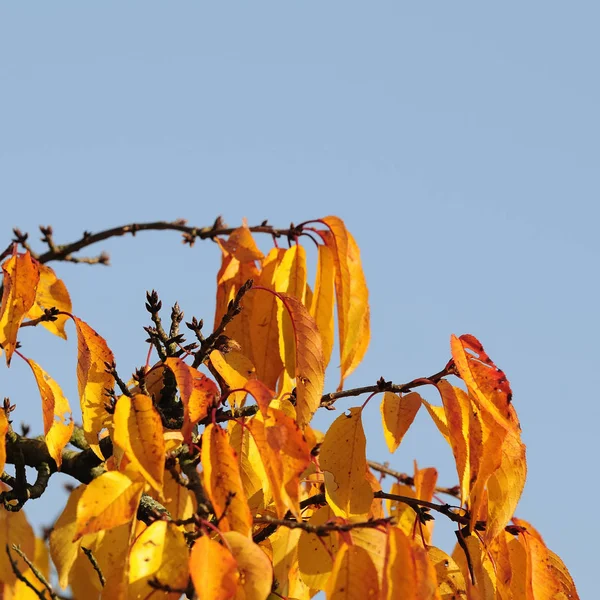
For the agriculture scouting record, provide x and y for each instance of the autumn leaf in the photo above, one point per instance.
(353, 575)
(62, 548)
(58, 420)
(93, 380)
(264, 329)
(198, 393)
(285, 455)
(457, 408)
(223, 483)
(344, 464)
(316, 553)
(138, 431)
(485, 576)
(51, 292)
(409, 573)
(547, 575)
(160, 554)
(309, 369)
(253, 565)
(450, 580)
(14, 529)
(236, 369)
(398, 413)
(21, 277)
(108, 501)
(214, 570)
(241, 244)
(321, 307)
(352, 296)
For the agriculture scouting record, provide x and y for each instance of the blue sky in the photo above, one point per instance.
(459, 142)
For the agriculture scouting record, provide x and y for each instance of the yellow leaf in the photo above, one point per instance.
(138, 431)
(214, 570)
(398, 413)
(198, 394)
(254, 567)
(309, 368)
(284, 543)
(290, 278)
(262, 394)
(14, 529)
(353, 576)
(321, 307)
(316, 553)
(58, 419)
(92, 381)
(62, 548)
(108, 501)
(483, 569)
(254, 478)
(159, 554)
(450, 580)
(285, 455)
(41, 561)
(223, 483)
(409, 573)
(404, 515)
(344, 464)
(236, 369)
(352, 296)
(179, 501)
(51, 293)
(21, 277)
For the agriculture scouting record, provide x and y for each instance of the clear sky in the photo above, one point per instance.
(459, 141)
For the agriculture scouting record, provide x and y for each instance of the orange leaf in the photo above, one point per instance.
(138, 431)
(321, 307)
(21, 277)
(108, 501)
(51, 293)
(223, 483)
(352, 295)
(58, 419)
(241, 244)
(353, 575)
(261, 393)
(264, 330)
(487, 383)
(398, 413)
(160, 553)
(344, 464)
(198, 394)
(486, 582)
(548, 575)
(214, 570)
(309, 369)
(92, 381)
(285, 455)
(409, 573)
(254, 567)
(457, 407)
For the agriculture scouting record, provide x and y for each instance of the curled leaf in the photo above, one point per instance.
(21, 277)
(58, 419)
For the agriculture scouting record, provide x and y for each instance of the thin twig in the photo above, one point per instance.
(323, 529)
(90, 556)
(34, 570)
